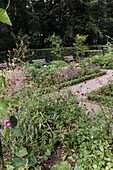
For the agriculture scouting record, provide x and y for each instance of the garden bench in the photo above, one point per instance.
(69, 58)
(43, 61)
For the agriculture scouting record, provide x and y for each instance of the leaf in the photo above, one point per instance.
(21, 151)
(16, 132)
(4, 17)
(7, 132)
(2, 81)
(3, 110)
(9, 167)
(13, 121)
(17, 162)
(63, 165)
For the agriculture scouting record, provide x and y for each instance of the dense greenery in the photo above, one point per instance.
(65, 18)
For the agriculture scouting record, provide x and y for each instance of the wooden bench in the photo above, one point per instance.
(42, 60)
(68, 58)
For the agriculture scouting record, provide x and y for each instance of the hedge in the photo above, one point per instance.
(45, 53)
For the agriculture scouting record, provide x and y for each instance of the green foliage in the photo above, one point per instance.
(2, 82)
(79, 45)
(56, 43)
(4, 17)
(63, 165)
(59, 63)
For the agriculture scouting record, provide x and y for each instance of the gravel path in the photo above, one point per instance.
(90, 85)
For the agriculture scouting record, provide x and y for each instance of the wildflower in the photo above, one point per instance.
(54, 77)
(16, 92)
(26, 145)
(100, 94)
(67, 85)
(82, 94)
(8, 123)
(84, 104)
(17, 79)
(23, 101)
(46, 90)
(61, 81)
(94, 118)
(31, 79)
(4, 94)
(68, 110)
(9, 84)
(77, 102)
(85, 82)
(91, 108)
(36, 109)
(63, 75)
(49, 101)
(28, 93)
(45, 110)
(58, 98)
(93, 98)
(47, 74)
(25, 78)
(23, 96)
(10, 110)
(30, 114)
(20, 108)
(75, 122)
(40, 72)
(65, 115)
(14, 83)
(33, 84)
(59, 76)
(29, 133)
(98, 100)
(78, 91)
(72, 94)
(78, 72)
(57, 103)
(16, 109)
(65, 101)
(35, 118)
(2, 97)
(72, 127)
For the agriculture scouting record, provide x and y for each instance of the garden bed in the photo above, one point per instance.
(102, 95)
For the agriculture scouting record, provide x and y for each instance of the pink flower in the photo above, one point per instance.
(100, 94)
(59, 76)
(72, 94)
(36, 108)
(31, 79)
(68, 110)
(3, 93)
(54, 77)
(36, 81)
(30, 114)
(94, 118)
(40, 72)
(9, 84)
(65, 115)
(10, 110)
(33, 84)
(110, 77)
(16, 92)
(8, 123)
(91, 108)
(16, 109)
(98, 100)
(78, 72)
(47, 74)
(67, 85)
(78, 92)
(82, 94)
(58, 98)
(25, 78)
(26, 145)
(17, 79)
(93, 98)
(23, 96)
(72, 127)
(65, 101)
(35, 118)
(77, 102)
(84, 104)
(14, 83)
(85, 82)
(63, 75)
(28, 93)
(49, 101)
(2, 97)
(57, 103)
(46, 90)
(20, 108)
(29, 133)
(45, 110)
(75, 122)
(51, 83)
(61, 81)
(23, 101)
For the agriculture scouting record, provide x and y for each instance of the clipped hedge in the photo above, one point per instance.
(45, 53)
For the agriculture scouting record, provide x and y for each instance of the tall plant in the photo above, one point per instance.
(79, 45)
(55, 45)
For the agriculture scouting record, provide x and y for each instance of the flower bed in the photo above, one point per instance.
(103, 95)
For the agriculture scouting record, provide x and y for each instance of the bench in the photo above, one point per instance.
(68, 58)
(42, 60)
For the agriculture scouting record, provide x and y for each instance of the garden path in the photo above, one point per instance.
(90, 85)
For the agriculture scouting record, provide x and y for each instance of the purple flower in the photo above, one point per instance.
(8, 123)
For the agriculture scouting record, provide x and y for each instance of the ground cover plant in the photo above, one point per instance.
(103, 95)
(34, 125)
(105, 60)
